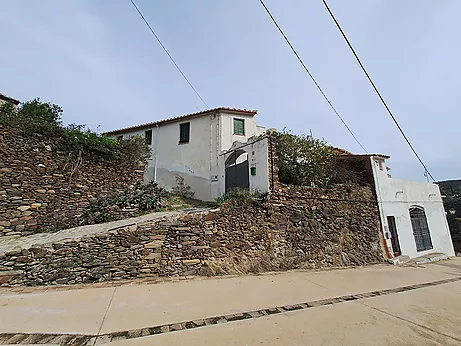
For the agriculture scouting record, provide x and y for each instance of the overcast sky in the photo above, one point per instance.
(98, 60)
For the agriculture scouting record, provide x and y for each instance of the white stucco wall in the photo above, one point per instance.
(227, 129)
(260, 130)
(256, 150)
(190, 160)
(258, 158)
(395, 197)
(197, 161)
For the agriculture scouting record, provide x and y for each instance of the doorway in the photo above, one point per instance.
(420, 229)
(394, 236)
(237, 171)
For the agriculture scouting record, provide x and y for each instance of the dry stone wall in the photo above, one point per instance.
(295, 228)
(44, 187)
(272, 162)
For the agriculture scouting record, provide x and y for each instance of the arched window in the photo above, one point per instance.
(420, 228)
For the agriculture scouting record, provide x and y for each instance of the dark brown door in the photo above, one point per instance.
(394, 235)
(420, 229)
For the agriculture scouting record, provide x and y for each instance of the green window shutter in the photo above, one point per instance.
(239, 127)
(184, 132)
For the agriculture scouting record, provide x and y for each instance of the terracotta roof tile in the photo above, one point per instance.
(179, 118)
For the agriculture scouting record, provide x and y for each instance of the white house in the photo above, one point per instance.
(412, 214)
(222, 148)
(195, 146)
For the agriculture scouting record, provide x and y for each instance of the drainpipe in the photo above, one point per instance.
(156, 154)
(218, 141)
(211, 147)
(218, 150)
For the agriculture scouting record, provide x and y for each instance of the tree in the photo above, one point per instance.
(33, 117)
(41, 111)
(303, 160)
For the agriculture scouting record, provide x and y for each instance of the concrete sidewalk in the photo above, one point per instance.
(103, 311)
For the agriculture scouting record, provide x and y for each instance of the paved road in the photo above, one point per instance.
(378, 305)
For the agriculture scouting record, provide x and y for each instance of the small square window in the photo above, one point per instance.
(239, 127)
(148, 136)
(184, 133)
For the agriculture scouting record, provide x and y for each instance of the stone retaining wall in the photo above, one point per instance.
(295, 228)
(44, 187)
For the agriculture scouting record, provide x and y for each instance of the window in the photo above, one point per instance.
(119, 138)
(184, 133)
(239, 127)
(420, 229)
(148, 135)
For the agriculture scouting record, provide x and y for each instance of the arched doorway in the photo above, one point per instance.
(237, 170)
(420, 228)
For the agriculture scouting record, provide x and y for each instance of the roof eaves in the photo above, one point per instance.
(180, 118)
(9, 99)
(366, 155)
(381, 156)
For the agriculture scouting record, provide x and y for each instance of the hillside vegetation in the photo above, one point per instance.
(45, 119)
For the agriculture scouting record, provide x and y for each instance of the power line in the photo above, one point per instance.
(310, 74)
(169, 55)
(376, 89)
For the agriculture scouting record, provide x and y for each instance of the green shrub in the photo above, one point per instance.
(84, 139)
(134, 149)
(138, 199)
(303, 160)
(33, 117)
(241, 196)
(36, 117)
(7, 114)
(182, 189)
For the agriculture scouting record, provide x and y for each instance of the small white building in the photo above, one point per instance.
(412, 214)
(196, 147)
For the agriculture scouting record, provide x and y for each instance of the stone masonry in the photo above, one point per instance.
(294, 228)
(44, 187)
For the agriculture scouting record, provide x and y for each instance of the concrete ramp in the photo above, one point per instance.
(43, 239)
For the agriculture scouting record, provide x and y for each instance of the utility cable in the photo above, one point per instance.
(376, 90)
(310, 74)
(167, 53)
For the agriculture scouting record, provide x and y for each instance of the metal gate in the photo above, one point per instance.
(420, 229)
(237, 176)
